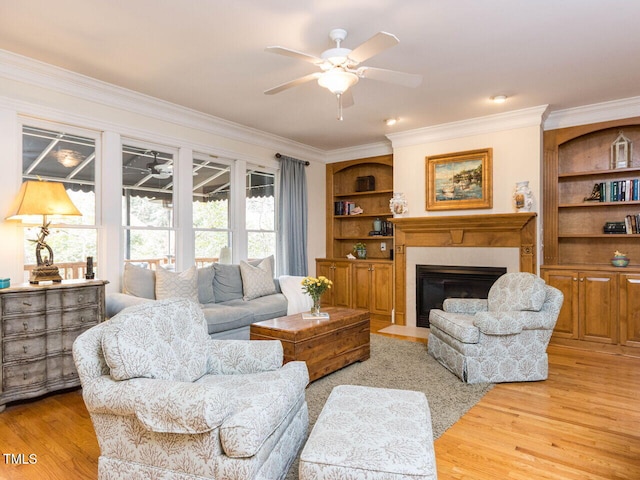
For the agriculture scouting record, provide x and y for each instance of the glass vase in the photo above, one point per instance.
(315, 308)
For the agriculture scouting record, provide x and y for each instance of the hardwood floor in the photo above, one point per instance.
(581, 423)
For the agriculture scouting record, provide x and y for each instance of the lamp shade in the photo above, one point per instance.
(337, 80)
(42, 198)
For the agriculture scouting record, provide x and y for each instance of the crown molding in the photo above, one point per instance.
(528, 117)
(33, 72)
(360, 151)
(595, 113)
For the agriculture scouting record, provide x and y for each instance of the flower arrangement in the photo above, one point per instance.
(315, 287)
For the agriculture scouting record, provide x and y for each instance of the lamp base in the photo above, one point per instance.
(45, 273)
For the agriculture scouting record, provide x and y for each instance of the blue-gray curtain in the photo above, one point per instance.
(292, 213)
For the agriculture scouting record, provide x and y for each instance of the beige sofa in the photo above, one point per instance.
(232, 297)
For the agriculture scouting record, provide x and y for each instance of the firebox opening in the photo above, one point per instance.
(435, 283)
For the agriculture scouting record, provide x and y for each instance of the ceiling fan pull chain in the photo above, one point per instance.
(339, 106)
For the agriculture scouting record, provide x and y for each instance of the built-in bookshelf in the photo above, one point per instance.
(351, 211)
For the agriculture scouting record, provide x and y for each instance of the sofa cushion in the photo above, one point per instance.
(257, 281)
(263, 308)
(205, 284)
(227, 281)
(177, 285)
(517, 291)
(166, 339)
(221, 317)
(139, 281)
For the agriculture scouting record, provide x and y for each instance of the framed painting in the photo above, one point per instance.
(459, 181)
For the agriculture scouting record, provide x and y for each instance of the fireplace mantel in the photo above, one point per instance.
(492, 230)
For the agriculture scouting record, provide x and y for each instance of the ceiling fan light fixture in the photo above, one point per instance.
(499, 98)
(337, 81)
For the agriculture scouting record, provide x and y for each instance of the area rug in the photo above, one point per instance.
(403, 365)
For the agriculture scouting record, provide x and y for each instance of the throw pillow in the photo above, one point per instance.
(177, 285)
(257, 281)
(139, 281)
(205, 285)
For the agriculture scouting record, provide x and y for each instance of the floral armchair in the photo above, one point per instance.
(502, 338)
(168, 402)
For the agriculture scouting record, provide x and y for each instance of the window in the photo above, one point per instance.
(211, 208)
(260, 213)
(147, 206)
(64, 155)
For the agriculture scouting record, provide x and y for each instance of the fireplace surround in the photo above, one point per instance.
(491, 230)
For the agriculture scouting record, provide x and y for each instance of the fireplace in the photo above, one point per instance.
(435, 283)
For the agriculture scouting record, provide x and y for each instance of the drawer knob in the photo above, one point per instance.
(28, 304)
(25, 325)
(80, 298)
(25, 348)
(24, 376)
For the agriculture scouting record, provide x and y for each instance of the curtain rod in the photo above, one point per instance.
(279, 155)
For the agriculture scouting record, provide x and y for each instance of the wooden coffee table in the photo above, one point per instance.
(325, 345)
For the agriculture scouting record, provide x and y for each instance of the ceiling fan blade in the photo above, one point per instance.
(293, 83)
(390, 76)
(295, 54)
(376, 44)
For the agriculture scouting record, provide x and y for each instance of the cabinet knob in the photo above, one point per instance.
(81, 319)
(24, 347)
(24, 376)
(575, 279)
(25, 325)
(80, 298)
(582, 279)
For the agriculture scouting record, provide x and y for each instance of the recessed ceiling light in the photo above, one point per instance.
(391, 121)
(499, 99)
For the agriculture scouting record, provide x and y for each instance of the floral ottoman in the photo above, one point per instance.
(368, 433)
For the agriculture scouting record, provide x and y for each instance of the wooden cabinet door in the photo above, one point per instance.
(362, 286)
(382, 289)
(341, 284)
(630, 310)
(323, 269)
(598, 307)
(567, 283)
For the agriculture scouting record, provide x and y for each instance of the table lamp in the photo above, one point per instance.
(42, 198)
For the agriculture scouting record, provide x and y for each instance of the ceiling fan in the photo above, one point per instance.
(154, 169)
(161, 171)
(340, 67)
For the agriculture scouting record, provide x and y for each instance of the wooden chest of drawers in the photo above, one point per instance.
(38, 324)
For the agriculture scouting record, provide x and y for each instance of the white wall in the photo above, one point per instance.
(516, 140)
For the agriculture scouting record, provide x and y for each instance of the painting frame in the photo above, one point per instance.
(460, 181)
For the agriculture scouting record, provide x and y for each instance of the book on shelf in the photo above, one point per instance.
(620, 190)
(632, 223)
(343, 207)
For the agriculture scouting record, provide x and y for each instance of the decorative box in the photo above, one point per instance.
(4, 282)
(365, 184)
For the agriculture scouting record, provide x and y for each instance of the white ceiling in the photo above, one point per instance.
(209, 55)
